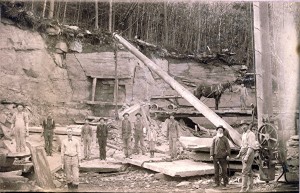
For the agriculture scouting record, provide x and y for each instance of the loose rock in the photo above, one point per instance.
(184, 183)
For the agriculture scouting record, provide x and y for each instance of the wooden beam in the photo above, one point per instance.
(185, 93)
(102, 103)
(94, 88)
(41, 166)
(110, 77)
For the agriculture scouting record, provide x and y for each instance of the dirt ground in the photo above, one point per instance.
(135, 179)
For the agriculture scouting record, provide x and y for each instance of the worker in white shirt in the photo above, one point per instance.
(70, 153)
(247, 154)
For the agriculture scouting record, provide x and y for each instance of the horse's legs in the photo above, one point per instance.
(217, 100)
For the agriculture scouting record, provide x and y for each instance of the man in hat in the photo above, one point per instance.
(20, 128)
(70, 154)
(219, 153)
(172, 135)
(48, 132)
(86, 138)
(126, 134)
(138, 134)
(248, 143)
(102, 133)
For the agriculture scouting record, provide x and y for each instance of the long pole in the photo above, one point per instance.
(186, 94)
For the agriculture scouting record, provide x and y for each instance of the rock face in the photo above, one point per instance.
(47, 81)
(28, 74)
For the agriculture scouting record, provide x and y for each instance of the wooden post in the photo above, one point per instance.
(110, 17)
(116, 90)
(262, 61)
(145, 117)
(94, 88)
(185, 93)
(41, 166)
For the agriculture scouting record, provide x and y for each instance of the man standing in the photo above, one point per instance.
(243, 96)
(102, 133)
(126, 134)
(70, 153)
(152, 138)
(247, 154)
(48, 126)
(138, 134)
(20, 128)
(87, 139)
(219, 153)
(172, 135)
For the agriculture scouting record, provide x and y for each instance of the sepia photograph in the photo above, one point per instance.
(149, 96)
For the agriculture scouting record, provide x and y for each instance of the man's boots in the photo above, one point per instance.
(244, 183)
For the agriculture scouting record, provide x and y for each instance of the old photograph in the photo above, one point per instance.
(149, 96)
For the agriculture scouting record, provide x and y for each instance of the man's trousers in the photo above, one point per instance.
(223, 163)
(71, 165)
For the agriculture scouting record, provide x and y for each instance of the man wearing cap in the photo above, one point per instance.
(20, 128)
(48, 132)
(219, 153)
(172, 135)
(138, 134)
(102, 133)
(87, 139)
(70, 153)
(247, 154)
(126, 134)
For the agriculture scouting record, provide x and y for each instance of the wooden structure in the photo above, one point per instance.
(186, 94)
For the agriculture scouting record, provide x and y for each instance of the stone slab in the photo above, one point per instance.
(181, 168)
(139, 160)
(54, 162)
(100, 166)
(11, 147)
(200, 144)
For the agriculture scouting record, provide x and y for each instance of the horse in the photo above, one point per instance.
(213, 91)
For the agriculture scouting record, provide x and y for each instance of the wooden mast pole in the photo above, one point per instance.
(186, 94)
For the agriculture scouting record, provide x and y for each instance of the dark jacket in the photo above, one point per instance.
(48, 124)
(138, 126)
(102, 131)
(220, 147)
(126, 129)
(172, 129)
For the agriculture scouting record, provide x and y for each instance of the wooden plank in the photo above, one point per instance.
(181, 168)
(111, 77)
(94, 88)
(130, 110)
(205, 156)
(139, 160)
(41, 166)
(102, 103)
(97, 165)
(54, 162)
(166, 97)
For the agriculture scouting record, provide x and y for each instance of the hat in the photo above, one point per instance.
(220, 126)
(244, 122)
(172, 114)
(138, 114)
(125, 114)
(256, 145)
(101, 118)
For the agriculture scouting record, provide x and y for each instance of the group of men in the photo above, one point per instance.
(70, 147)
(220, 154)
(139, 132)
